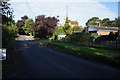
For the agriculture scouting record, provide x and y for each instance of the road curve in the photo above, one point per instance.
(38, 61)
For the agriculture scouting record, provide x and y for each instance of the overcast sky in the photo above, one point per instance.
(80, 10)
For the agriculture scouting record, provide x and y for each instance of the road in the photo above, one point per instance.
(37, 61)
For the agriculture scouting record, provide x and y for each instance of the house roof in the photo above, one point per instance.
(74, 22)
(104, 27)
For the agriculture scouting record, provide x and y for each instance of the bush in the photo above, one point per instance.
(59, 30)
(110, 37)
(79, 37)
(95, 35)
(8, 37)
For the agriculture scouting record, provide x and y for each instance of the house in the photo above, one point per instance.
(71, 23)
(101, 30)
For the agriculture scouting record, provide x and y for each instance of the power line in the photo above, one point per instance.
(29, 8)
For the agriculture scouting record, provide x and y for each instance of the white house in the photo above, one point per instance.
(101, 30)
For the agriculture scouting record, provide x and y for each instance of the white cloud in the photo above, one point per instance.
(82, 11)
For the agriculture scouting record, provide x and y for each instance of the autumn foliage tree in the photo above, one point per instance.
(44, 27)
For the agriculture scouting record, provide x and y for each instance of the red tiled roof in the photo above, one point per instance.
(74, 22)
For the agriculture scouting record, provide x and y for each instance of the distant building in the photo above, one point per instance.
(101, 30)
(74, 23)
(71, 23)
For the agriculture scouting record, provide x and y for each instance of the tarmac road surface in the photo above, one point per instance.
(38, 61)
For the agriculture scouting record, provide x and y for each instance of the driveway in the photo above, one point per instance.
(37, 61)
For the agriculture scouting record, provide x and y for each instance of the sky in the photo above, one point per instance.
(80, 10)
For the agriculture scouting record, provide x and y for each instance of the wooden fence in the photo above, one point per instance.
(106, 44)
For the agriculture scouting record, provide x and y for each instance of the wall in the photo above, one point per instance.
(103, 32)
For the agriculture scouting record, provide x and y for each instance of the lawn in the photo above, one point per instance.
(106, 56)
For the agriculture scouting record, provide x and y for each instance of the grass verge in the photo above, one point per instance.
(109, 57)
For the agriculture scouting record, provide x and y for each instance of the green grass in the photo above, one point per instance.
(106, 56)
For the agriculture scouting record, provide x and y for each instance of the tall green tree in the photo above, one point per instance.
(117, 22)
(9, 29)
(21, 23)
(28, 26)
(93, 21)
(6, 9)
(58, 31)
(105, 22)
(67, 28)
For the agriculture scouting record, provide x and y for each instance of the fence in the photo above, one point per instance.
(102, 44)
(105, 44)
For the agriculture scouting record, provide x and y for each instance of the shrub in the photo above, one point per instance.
(110, 37)
(59, 30)
(95, 35)
(79, 37)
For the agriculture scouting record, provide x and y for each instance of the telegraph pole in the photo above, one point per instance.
(67, 11)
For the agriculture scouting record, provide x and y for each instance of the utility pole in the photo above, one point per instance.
(67, 11)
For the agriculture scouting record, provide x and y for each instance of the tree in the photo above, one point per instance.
(21, 24)
(93, 21)
(75, 28)
(105, 22)
(24, 18)
(58, 31)
(28, 26)
(67, 28)
(7, 15)
(44, 27)
(117, 22)
(9, 29)
(5, 8)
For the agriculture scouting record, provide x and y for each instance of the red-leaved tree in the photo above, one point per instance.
(44, 27)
